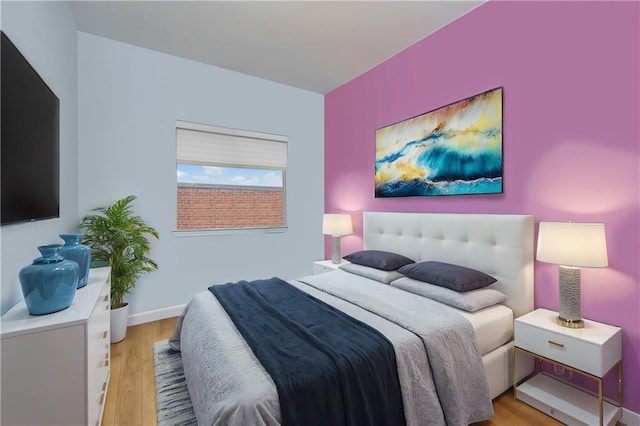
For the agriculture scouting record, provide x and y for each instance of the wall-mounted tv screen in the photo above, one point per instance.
(30, 139)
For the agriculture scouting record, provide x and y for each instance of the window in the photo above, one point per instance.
(230, 179)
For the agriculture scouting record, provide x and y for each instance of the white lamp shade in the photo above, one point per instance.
(337, 224)
(572, 244)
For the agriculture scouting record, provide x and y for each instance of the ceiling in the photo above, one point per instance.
(312, 45)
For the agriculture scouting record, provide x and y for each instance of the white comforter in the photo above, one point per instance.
(439, 367)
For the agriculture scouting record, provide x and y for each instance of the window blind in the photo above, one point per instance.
(209, 145)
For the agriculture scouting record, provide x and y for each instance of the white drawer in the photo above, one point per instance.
(322, 266)
(321, 269)
(98, 355)
(594, 349)
(576, 353)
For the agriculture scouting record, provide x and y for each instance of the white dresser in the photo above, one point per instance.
(55, 368)
(591, 351)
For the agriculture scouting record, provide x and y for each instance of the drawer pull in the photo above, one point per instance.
(106, 363)
(106, 356)
(560, 345)
(105, 334)
(104, 386)
(102, 398)
(105, 298)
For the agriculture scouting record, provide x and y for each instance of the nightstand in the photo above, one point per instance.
(591, 351)
(322, 266)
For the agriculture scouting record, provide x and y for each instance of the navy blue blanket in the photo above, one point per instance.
(328, 368)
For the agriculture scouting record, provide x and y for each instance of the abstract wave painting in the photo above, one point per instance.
(453, 150)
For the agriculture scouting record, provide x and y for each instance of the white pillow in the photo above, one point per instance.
(379, 275)
(470, 301)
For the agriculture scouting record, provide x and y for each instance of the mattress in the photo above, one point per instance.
(493, 326)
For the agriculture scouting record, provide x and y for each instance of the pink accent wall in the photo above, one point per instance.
(570, 72)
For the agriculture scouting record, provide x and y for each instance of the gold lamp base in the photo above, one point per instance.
(569, 323)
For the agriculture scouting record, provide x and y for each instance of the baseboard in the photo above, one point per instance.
(629, 418)
(155, 315)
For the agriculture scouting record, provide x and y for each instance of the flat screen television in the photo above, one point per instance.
(30, 140)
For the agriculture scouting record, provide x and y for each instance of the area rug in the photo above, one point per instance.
(172, 397)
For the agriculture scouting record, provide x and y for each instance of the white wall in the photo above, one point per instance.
(129, 100)
(45, 33)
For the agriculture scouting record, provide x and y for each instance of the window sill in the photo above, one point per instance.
(230, 231)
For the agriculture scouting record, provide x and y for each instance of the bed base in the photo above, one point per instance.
(497, 366)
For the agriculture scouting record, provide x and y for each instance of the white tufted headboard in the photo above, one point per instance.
(499, 245)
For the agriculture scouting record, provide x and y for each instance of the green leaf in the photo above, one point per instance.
(121, 238)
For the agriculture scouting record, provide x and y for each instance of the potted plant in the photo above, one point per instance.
(119, 237)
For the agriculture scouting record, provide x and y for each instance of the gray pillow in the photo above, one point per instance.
(372, 273)
(469, 301)
(455, 277)
(378, 259)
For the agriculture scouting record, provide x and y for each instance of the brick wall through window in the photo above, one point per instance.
(205, 206)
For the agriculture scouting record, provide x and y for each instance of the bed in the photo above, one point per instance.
(228, 385)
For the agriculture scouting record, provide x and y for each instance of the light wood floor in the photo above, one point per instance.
(131, 398)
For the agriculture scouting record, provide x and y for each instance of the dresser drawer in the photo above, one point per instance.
(321, 269)
(575, 353)
(98, 355)
(594, 349)
(322, 266)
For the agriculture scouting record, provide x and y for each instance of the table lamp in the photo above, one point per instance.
(572, 246)
(336, 225)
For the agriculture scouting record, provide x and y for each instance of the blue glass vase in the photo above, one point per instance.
(74, 250)
(49, 284)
